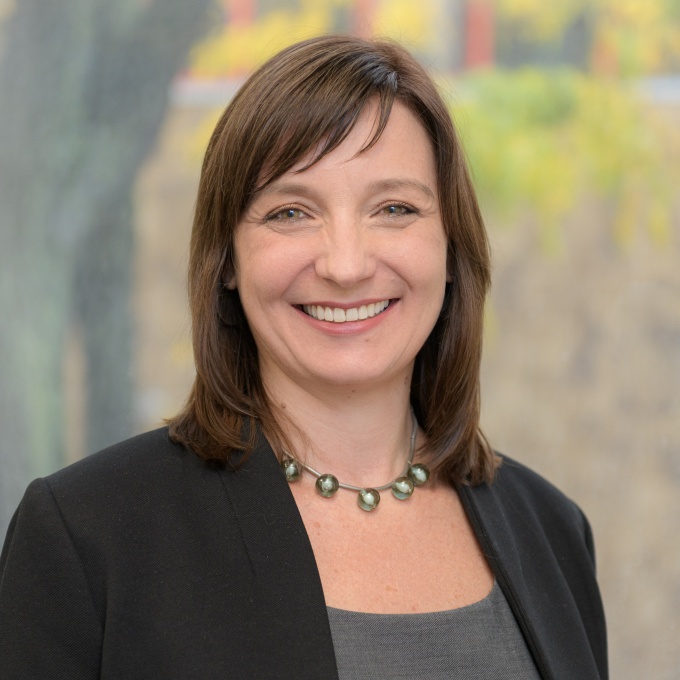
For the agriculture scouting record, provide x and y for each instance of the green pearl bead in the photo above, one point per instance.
(327, 485)
(368, 499)
(418, 474)
(291, 468)
(402, 488)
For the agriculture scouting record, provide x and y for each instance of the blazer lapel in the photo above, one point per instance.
(532, 577)
(291, 637)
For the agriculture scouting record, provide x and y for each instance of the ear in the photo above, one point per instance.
(449, 277)
(230, 283)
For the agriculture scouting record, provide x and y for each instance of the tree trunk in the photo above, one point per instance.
(83, 88)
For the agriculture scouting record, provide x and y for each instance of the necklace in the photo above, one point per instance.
(367, 498)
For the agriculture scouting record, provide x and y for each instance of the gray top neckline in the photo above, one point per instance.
(479, 641)
(439, 614)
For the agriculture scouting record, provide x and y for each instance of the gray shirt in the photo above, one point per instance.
(479, 642)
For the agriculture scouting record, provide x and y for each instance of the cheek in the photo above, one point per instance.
(427, 258)
(265, 275)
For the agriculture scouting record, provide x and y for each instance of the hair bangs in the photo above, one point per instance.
(321, 114)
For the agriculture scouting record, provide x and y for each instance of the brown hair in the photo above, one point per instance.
(308, 98)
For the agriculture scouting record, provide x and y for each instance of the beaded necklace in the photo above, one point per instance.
(369, 497)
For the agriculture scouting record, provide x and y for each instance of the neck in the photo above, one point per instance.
(361, 436)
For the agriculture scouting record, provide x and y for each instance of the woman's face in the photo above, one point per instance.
(341, 268)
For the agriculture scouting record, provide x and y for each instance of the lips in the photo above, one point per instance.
(340, 315)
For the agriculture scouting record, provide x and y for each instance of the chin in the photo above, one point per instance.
(357, 377)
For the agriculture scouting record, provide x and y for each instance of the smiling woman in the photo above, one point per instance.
(357, 237)
(337, 277)
(343, 153)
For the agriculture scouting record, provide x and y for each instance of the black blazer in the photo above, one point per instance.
(143, 562)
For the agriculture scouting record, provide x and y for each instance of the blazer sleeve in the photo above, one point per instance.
(49, 626)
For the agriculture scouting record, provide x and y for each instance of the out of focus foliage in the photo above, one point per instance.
(627, 37)
(539, 140)
(630, 37)
(238, 49)
(542, 140)
(407, 21)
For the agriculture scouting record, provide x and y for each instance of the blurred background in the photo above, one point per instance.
(570, 114)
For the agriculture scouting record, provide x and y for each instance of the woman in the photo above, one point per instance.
(326, 485)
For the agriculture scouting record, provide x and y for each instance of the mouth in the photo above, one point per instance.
(340, 315)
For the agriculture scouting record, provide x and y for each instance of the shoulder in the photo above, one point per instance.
(148, 451)
(525, 503)
(142, 464)
(129, 505)
(127, 493)
(524, 488)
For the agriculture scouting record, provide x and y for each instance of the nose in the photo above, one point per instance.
(347, 255)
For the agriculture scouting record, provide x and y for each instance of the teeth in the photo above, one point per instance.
(339, 315)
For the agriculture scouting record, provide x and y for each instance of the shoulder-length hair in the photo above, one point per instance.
(306, 99)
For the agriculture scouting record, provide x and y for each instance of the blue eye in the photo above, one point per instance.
(287, 214)
(397, 209)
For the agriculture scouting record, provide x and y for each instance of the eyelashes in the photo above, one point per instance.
(293, 213)
(286, 214)
(397, 209)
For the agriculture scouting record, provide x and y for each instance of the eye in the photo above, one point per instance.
(286, 215)
(396, 210)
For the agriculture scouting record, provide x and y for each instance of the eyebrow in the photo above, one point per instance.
(374, 187)
(283, 188)
(387, 184)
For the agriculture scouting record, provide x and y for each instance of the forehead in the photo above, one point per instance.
(402, 147)
(309, 136)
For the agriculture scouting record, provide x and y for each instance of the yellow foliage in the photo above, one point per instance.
(543, 20)
(407, 21)
(631, 37)
(640, 35)
(542, 140)
(537, 140)
(239, 49)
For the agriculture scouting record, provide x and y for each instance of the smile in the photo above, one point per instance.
(339, 315)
